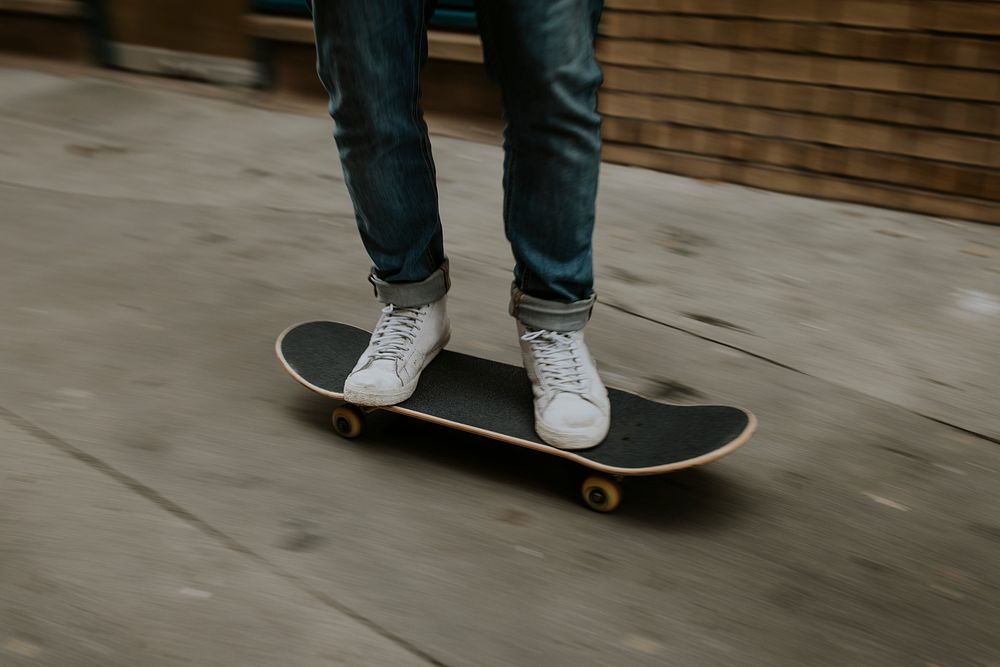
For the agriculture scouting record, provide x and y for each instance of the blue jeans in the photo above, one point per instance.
(370, 53)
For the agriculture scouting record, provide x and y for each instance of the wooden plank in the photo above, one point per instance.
(279, 28)
(900, 14)
(441, 45)
(980, 17)
(802, 10)
(194, 26)
(61, 8)
(847, 133)
(830, 40)
(965, 17)
(804, 183)
(803, 68)
(460, 88)
(865, 165)
(904, 109)
(931, 113)
(45, 36)
(456, 46)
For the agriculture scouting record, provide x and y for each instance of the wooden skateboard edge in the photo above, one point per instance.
(570, 455)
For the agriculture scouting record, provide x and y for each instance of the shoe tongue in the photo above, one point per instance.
(558, 338)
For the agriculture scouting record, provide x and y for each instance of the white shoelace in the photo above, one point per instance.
(556, 360)
(396, 330)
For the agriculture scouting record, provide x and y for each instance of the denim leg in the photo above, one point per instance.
(369, 56)
(542, 55)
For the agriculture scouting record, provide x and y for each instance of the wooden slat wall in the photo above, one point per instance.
(889, 102)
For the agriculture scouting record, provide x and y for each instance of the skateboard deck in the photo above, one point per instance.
(493, 399)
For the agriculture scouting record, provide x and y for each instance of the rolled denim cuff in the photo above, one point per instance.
(411, 295)
(552, 315)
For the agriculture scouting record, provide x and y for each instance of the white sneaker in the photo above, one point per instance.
(405, 340)
(572, 410)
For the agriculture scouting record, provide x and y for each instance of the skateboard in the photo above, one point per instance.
(493, 400)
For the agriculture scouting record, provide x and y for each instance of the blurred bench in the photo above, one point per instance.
(441, 44)
(453, 80)
(46, 28)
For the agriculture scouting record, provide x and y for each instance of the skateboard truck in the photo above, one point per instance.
(601, 493)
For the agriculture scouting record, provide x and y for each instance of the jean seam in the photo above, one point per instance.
(425, 149)
(509, 193)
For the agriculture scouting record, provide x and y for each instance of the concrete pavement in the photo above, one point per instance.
(170, 497)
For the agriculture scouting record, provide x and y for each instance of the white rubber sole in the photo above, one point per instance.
(569, 440)
(382, 399)
(371, 399)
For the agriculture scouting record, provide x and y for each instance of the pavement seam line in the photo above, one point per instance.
(152, 495)
(161, 202)
(976, 434)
